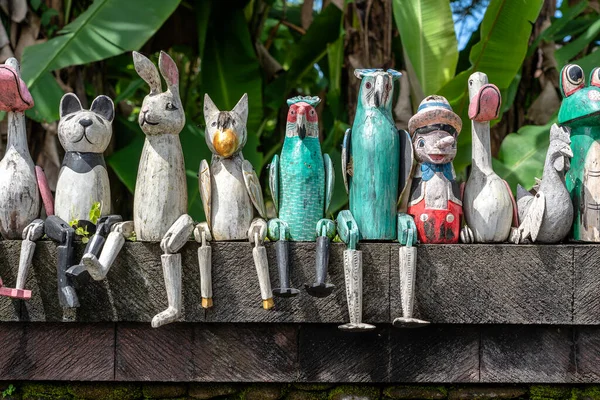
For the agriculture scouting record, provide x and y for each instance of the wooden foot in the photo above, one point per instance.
(360, 327)
(268, 303)
(207, 302)
(409, 323)
(22, 294)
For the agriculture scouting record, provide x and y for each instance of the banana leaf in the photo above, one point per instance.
(107, 28)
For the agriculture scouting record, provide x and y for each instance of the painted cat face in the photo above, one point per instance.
(86, 131)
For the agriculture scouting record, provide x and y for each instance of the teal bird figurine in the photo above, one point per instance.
(377, 160)
(301, 185)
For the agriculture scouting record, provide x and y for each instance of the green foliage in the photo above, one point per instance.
(429, 42)
(504, 35)
(9, 391)
(104, 30)
(95, 212)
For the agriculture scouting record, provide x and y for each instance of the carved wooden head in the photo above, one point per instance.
(225, 130)
(87, 131)
(162, 112)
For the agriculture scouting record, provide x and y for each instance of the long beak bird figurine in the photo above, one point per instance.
(434, 202)
(302, 184)
(376, 164)
(230, 192)
(488, 203)
(547, 216)
(19, 189)
(580, 111)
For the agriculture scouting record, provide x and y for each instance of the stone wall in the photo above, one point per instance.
(176, 391)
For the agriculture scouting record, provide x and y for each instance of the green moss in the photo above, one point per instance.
(586, 393)
(313, 387)
(41, 391)
(426, 392)
(304, 395)
(108, 391)
(548, 392)
(345, 391)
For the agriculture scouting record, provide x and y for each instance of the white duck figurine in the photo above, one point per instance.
(488, 203)
(547, 216)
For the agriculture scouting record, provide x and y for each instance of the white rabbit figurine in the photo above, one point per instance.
(160, 199)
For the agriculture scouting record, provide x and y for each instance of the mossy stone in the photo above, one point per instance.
(313, 387)
(586, 393)
(211, 390)
(305, 395)
(348, 392)
(44, 391)
(108, 391)
(164, 391)
(549, 392)
(416, 392)
(264, 392)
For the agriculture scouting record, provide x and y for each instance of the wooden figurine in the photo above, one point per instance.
(19, 188)
(580, 111)
(434, 201)
(230, 192)
(82, 182)
(488, 203)
(547, 216)
(376, 163)
(302, 184)
(160, 199)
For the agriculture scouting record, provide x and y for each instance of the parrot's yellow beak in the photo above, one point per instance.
(225, 142)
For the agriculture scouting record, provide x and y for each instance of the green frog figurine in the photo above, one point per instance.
(580, 111)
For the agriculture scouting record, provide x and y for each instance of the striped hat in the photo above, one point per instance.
(435, 110)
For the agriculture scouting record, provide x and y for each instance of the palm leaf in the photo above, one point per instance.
(428, 39)
(504, 37)
(107, 28)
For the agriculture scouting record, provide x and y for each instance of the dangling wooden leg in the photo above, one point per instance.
(100, 253)
(171, 264)
(177, 235)
(348, 231)
(325, 230)
(203, 236)
(408, 271)
(256, 235)
(280, 230)
(59, 231)
(31, 234)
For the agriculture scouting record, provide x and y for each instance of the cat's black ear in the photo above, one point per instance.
(104, 106)
(69, 104)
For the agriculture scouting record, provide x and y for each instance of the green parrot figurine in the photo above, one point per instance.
(580, 111)
(301, 185)
(377, 159)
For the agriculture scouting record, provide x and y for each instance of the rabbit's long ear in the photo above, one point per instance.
(241, 108)
(168, 69)
(148, 72)
(103, 105)
(69, 104)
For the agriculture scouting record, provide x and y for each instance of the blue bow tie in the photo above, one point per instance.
(428, 170)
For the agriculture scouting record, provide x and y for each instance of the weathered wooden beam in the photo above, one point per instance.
(456, 284)
(185, 352)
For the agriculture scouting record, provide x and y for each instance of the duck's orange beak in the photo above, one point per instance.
(225, 142)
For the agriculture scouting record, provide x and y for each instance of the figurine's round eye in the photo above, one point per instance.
(214, 123)
(595, 77)
(571, 79)
(312, 113)
(170, 106)
(421, 143)
(368, 85)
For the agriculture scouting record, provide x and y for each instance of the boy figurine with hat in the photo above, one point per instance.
(434, 201)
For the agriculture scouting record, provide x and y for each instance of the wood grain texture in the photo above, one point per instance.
(586, 301)
(527, 354)
(440, 353)
(245, 353)
(143, 353)
(327, 354)
(586, 342)
(456, 284)
(57, 352)
(482, 284)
